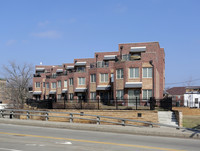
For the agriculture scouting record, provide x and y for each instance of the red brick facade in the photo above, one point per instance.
(135, 75)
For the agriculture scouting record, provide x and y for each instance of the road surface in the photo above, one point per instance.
(29, 138)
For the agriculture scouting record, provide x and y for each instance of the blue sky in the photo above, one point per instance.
(57, 31)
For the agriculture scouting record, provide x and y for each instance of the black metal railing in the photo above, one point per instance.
(105, 104)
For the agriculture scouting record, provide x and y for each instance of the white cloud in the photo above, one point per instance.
(10, 42)
(47, 34)
(44, 23)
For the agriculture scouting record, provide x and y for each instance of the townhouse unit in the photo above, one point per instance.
(136, 70)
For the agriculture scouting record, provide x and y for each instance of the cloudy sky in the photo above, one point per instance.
(57, 31)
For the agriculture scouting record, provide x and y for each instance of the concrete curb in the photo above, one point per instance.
(166, 132)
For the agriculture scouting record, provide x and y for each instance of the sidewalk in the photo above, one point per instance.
(162, 131)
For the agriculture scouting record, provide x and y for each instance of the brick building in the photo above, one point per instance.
(2, 87)
(124, 74)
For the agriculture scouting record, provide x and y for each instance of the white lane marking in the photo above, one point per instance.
(35, 145)
(30, 144)
(64, 143)
(9, 149)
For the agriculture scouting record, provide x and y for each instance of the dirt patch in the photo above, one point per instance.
(191, 121)
(188, 111)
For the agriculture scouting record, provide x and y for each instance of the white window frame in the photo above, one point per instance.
(53, 85)
(71, 96)
(148, 94)
(37, 84)
(59, 84)
(59, 96)
(65, 83)
(93, 78)
(47, 85)
(120, 94)
(134, 73)
(71, 81)
(120, 73)
(104, 77)
(93, 95)
(148, 72)
(81, 81)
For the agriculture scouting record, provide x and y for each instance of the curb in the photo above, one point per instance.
(164, 132)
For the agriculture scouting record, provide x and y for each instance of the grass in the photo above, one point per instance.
(191, 121)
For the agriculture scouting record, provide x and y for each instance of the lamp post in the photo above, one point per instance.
(151, 62)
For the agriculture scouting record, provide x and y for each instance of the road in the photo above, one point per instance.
(29, 138)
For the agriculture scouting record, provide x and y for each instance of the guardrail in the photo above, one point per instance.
(121, 121)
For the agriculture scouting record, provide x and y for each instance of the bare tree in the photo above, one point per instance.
(19, 78)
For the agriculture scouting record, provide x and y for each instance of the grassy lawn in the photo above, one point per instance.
(191, 121)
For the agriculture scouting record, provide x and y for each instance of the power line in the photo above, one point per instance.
(182, 82)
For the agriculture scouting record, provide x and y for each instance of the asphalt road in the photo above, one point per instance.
(29, 138)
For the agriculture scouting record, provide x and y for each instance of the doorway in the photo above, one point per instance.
(132, 95)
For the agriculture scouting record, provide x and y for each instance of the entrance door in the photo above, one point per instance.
(132, 95)
(104, 96)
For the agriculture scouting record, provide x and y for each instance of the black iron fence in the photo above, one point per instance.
(111, 104)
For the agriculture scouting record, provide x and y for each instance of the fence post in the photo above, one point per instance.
(71, 118)
(123, 122)
(27, 115)
(136, 103)
(11, 114)
(98, 102)
(116, 104)
(2, 114)
(98, 120)
(81, 103)
(46, 116)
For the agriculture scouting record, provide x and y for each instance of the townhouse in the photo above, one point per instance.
(136, 70)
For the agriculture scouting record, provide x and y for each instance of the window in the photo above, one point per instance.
(196, 100)
(93, 78)
(81, 81)
(146, 94)
(53, 85)
(37, 84)
(120, 94)
(147, 72)
(93, 95)
(65, 83)
(59, 84)
(71, 81)
(126, 57)
(112, 77)
(133, 73)
(80, 69)
(104, 77)
(47, 85)
(43, 84)
(102, 64)
(59, 96)
(120, 74)
(71, 96)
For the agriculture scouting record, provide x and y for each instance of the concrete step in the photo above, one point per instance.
(167, 117)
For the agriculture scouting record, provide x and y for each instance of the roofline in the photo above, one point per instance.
(139, 42)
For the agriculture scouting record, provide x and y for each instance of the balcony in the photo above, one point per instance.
(36, 75)
(100, 64)
(131, 57)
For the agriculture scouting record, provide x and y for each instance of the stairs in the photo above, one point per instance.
(167, 117)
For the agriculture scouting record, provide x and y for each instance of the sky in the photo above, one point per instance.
(57, 31)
